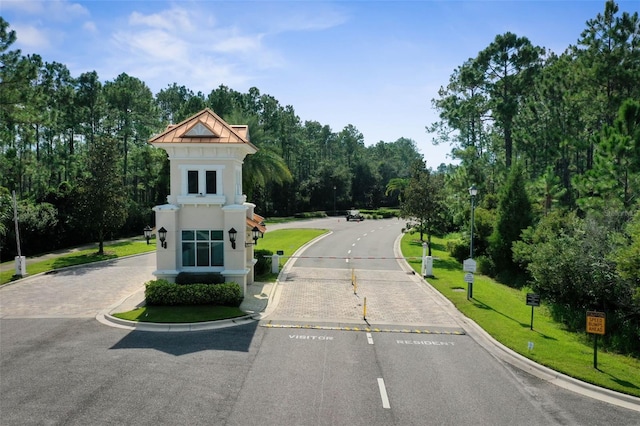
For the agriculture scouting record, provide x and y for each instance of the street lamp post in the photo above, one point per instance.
(334, 200)
(473, 192)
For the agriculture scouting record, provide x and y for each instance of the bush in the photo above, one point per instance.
(163, 292)
(263, 264)
(458, 249)
(485, 266)
(199, 278)
(310, 215)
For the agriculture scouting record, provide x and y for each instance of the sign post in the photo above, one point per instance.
(469, 266)
(595, 325)
(533, 300)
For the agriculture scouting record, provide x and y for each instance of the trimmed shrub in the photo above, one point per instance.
(485, 266)
(163, 292)
(310, 215)
(263, 266)
(199, 278)
(458, 249)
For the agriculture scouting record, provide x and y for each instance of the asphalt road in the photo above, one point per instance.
(58, 365)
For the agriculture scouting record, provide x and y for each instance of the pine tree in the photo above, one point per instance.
(514, 215)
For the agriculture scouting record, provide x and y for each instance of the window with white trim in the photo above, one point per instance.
(202, 248)
(201, 180)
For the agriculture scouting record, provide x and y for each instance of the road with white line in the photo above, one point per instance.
(315, 360)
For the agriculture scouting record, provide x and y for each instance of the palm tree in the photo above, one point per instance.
(398, 185)
(264, 167)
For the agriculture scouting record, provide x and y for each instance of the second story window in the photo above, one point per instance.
(192, 182)
(211, 181)
(201, 180)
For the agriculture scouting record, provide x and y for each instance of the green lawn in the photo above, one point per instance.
(503, 313)
(111, 251)
(180, 314)
(287, 240)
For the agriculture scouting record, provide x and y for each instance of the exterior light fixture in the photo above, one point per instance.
(162, 234)
(255, 234)
(232, 237)
(473, 191)
(147, 233)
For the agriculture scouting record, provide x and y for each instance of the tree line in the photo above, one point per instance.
(550, 140)
(64, 139)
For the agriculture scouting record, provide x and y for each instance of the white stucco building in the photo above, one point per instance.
(206, 201)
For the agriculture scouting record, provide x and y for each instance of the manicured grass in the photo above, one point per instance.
(287, 240)
(503, 313)
(111, 251)
(180, 314)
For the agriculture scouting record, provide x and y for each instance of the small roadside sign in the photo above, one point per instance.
(595, 322)
(469, 265)
(595, 325)
(533, 299)
(468, 277)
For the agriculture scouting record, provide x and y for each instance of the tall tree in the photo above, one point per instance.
(508, 65)
(101, 198)
(513, 216)
(424, 202)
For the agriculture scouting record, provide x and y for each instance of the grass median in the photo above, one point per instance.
(502, 312)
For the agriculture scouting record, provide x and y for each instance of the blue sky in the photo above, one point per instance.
(373, 64)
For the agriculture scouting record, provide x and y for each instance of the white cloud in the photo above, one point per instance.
(238, 44)
(90, 27)
(306, 16)
(152, 45)
(56, 10)
(174, 19)
(31, 37)
(29, 7)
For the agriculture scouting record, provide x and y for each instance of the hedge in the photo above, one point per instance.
(263, 264)
(163, 292)
(199, 278)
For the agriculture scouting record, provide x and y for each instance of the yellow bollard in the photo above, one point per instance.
(353, 276)
(355, 286)
(364, 314)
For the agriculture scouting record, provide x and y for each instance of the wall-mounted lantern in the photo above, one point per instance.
(162, 234)
(255, 234)
(232, 237)
(147, 233)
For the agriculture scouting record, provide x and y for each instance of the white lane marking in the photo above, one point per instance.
(353, 245)
(383, 393)
(358, 239)
(370, 338)
(349, 252)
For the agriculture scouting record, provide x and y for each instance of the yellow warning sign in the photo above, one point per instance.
(595, 322)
